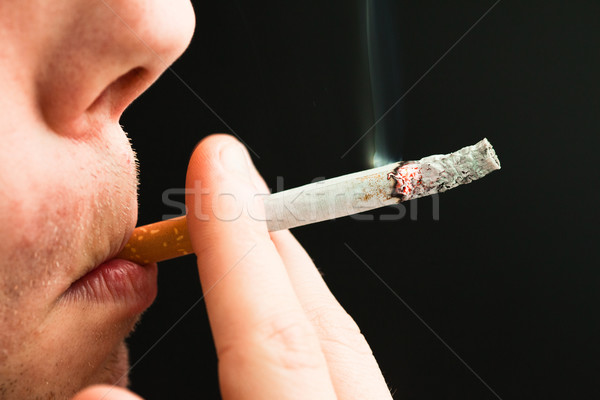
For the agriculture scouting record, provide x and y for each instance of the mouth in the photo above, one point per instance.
(115, 282)
(119, 282)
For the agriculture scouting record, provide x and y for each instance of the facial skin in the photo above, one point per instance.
(68, 180)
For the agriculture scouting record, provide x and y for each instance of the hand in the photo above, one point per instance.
(105, 392)
(278, 330)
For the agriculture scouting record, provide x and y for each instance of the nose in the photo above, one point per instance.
(105, 54)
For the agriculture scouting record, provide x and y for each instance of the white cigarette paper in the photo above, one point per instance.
(378, 187)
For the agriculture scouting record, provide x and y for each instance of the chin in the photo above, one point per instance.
(116, 369)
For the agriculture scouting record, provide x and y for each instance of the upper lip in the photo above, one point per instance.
(117, 243)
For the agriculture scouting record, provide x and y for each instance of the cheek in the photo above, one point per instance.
(60, 210)
(62, 203)
(68, 200)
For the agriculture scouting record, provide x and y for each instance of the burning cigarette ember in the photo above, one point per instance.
(407, 178)
(332, 198)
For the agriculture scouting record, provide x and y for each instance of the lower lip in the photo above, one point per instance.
(124, 283)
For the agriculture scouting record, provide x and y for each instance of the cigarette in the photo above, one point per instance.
(159, 241)
(332, 198)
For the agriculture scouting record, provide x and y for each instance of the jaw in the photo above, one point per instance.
(61, 381)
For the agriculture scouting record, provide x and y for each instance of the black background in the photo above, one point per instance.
(508, 277)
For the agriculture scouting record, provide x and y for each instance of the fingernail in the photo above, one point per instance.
(234, 159)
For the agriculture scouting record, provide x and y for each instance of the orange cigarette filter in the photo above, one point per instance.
(158, 242)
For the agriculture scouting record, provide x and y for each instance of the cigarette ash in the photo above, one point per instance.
(438, 173)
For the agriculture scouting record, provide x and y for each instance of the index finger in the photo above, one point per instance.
(265, 343)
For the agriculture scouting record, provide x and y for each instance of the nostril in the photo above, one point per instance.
(130, 79)
(120, 93)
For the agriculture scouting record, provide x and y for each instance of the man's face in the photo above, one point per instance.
(68, 184)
